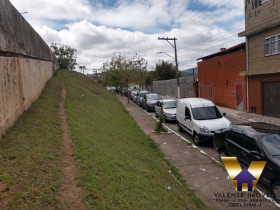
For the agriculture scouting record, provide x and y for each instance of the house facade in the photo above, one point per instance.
(219, 77)
(262, 32)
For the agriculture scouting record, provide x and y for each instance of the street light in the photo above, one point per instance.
(176, 61)
(23, 13)
(165, 54)
(177, 73)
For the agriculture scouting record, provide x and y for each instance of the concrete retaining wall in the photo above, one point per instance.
(21, 83)
(26, 64)
(169, 87)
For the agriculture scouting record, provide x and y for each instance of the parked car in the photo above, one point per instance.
(200, 118)
(257, 142)
(169, 108)
(133, 95)
(140, 97)
(149, 101)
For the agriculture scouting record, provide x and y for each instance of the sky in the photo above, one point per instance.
(99, 28)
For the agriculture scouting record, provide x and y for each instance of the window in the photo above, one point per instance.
(261, 2)
(153, 97)
(206, 113)
(272, 45)
(170, 105)
(235, 137)
(187, 112)
(272, 143)
(278, 43)
(251, 145)
(268, 46)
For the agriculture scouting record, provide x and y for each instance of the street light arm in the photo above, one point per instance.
(165, 54)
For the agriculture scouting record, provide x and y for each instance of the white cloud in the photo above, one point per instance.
(133, 27)
(55, 9)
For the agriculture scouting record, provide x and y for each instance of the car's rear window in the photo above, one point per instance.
(154, 97)
(142, 94)
(206, 113)
(170, 105)
(272, 143)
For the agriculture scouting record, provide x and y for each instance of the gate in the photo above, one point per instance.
(271, 99)
(205, 91)
(239, 98)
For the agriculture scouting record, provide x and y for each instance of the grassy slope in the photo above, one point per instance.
(30, 155)
(118, 165)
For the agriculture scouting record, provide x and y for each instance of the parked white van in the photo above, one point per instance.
(200, 118)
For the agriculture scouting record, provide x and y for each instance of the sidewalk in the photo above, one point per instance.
(250, 116)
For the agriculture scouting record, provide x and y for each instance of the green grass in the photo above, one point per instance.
(30, 159)
(118, 165)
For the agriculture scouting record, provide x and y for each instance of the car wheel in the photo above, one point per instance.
(276, 191)
(180, 129)
(196, 139)
(222, 153)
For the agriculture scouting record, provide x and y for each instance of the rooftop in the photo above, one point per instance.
(197, 102)
(224, 51)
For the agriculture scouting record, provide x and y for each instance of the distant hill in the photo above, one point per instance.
(188, 72)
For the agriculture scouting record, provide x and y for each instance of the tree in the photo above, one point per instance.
(82, 68)
(120, 71)
(66, 55)
(164, 71)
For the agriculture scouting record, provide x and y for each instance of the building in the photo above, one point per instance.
(219, 77)
(262, 32)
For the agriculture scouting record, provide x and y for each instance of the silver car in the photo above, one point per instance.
(169, 109)
(140, 97)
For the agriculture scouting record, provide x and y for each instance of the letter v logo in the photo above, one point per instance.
(243, 180)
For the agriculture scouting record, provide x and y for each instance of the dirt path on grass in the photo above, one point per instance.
(71, 194)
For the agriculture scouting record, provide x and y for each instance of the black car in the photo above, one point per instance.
(254, 142)
(150, 100)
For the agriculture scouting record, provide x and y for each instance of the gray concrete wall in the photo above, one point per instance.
(169, 87)
(26, 64)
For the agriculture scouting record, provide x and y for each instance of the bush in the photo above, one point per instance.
(159, 125)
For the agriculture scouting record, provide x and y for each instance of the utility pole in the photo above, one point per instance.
(176, 61)
(94, 71)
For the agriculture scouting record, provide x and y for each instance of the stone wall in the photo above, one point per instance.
(26, 64)
(169, 87)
